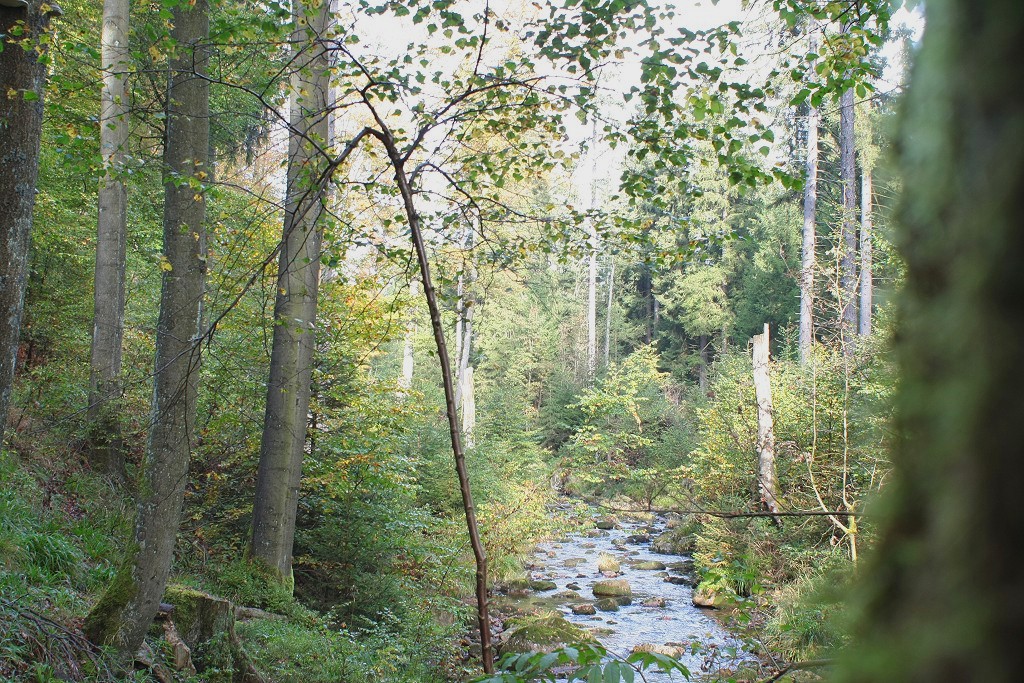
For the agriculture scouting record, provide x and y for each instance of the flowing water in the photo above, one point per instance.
(572, 564)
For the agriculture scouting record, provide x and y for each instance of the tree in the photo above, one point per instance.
(848, 234)
(124, 613)
(291, 362)
(937, 593)
(108, 291)
(23, 26)
(808, 260)
(866, 278)
(767, 488)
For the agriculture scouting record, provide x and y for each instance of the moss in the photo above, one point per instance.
(542, 633)
(104, 623)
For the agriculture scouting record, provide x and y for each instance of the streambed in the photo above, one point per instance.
(668, 620)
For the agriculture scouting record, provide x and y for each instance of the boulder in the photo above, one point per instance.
(607, 563)
(568, 595)
(669, 650)
(540, 633)
(573, 586)
(585, 608)
(674, 542)
(655, 602)
(650, 565)
(607, 605)
(638, 538)
(543, 585)
(708, 599)
(606, 524)
(612, 588)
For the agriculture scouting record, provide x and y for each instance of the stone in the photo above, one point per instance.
(607, 605)
(674, 542)
(708, 599)
(650, 565)
(607, 563)
(568, 595)
(638, 538)
(573, 586)
(612, 587)
(585, 608)
(606, 524)
(543, 585)
(655, 602)
(540, 633)
(673, 651)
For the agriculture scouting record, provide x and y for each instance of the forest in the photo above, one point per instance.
(500, 341)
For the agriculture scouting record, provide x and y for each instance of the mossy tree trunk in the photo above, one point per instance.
(126, 610)
(22, 78)
(944, 594)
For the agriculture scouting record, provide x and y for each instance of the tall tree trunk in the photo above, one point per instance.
(454, 431)
(22, 79)
(408, 351)
(468, 406)
(464, 346)
(941, 594)
(808, 255)
(108, 292)
(766, 480)
(125, 611)
(866, 283)
(291, 361)
(848, 238)
(592, 306)
(408, 355)
(608, 314)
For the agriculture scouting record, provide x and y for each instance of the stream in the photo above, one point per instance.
(668, 620)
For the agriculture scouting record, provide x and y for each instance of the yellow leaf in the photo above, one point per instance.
(165, 265)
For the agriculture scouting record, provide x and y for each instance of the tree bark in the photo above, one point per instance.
(766, 481)
(866, 283)
(942, 595)
(22, 81)
(127, 608)
(291, 361)
(808, 255)
(848, 237)
(108, 290)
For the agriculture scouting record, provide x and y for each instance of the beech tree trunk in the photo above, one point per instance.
(866, 283)
(942, 592)
(766, 481)
(22, 80)
(703, 342)
(108, 291)
(848, 237)
(125, 611)
(808, 256)
(291, 361)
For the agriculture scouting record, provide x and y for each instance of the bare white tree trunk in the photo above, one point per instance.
(108, 290)
(766, 483)
(408, 355)
(592, 306)
(468, 406)
(866, 283)
(608, 314)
